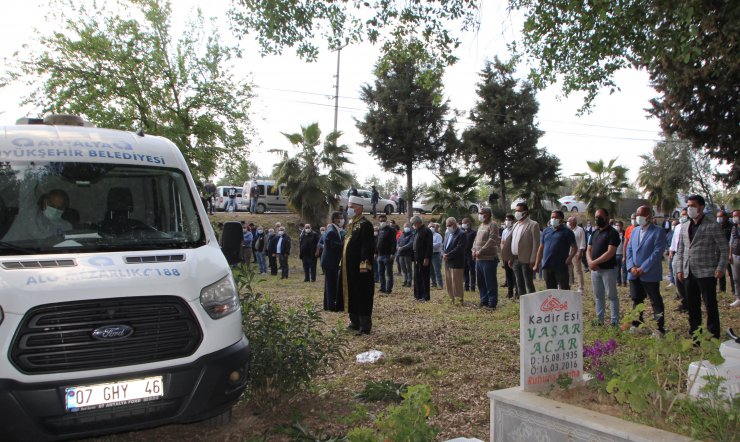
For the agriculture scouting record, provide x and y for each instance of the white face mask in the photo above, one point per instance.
(693, 212)
(450, 230)
(736, 219)
(508, 223)
(307, 230)
(481, 217)
(683, 219)
(641, 220)
(465, 227)
(407, 229)
(673, 227)
(382, 224)
(53, 213)
(259, 231)
(341, 223)
(555, 222)
(720, 220)
(633, 221)
(281, 233)
(518, 215)
(375, 233)
(351, 212)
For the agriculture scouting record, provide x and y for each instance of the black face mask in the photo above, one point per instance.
(601, 222)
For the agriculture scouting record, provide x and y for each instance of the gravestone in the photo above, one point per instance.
(551, 338)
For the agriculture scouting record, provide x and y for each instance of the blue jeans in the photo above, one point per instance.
(487, 283)
(437, 269)
(621, 270)
(671, 278)
(230, 205)
(604, 281)
(261, 261)
(253, 206)
(385, 271)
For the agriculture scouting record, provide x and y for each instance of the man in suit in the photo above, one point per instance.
(525, 241)
(357, 286)
(453, 254)
(644, 255)
(386, 251)
(330, 258)
(307, 249)
(702, 256)
(422, 259)
(281, 251)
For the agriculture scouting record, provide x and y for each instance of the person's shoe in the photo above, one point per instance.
(362, 331)
(482, 304)
(735, 303)
(353, 327)
(467, 289)
(492, 307)
(434, 286)
(681, 309)
(510, 295)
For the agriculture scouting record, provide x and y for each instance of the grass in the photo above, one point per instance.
(461, 352)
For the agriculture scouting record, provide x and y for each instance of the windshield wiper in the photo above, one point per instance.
(10, 246)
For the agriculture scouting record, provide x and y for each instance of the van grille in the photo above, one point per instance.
(58, 337)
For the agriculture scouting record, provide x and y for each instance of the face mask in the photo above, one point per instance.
(673, 227)
(683, 219)
(281, 233)
(693, 212)
(465, 227)
(271, 232)
(382, 224)
(518, 215)
(720, 220)
(307, 230)
(736, 219)
(351, 212)
(259, 231)
(407, 229)
(323, 231)
(508, 223)
(633, 221)
(481, 217)
(555, 222)
(641, 220)
(375, 233)
(341, 223)
(601, 221)
(450, 230)
(53, 213)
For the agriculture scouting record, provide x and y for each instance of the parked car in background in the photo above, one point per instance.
(384, 204)
(271, 197)
(546, 204)
(571, 204)
(222, 197)
(425, 206)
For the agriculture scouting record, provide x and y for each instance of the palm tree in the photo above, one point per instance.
(313, 178)
(602, 187)
(538, 180)
(665, 172)
(453, 195)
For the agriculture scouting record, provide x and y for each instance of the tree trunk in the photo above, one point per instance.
(502, 196)
(409, 190)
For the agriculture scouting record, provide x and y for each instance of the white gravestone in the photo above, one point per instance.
(551, 338)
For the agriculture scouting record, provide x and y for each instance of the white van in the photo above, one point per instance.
(118, 310)
(222, 198)
(271, 197)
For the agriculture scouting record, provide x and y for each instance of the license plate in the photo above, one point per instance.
(113, 394)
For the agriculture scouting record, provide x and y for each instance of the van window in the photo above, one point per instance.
(261, 189)
(98, 207)
(272, 190)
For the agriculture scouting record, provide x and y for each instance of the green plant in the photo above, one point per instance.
(713, 415)
(659, 378)
(564, 381)
(288, 346)
(382, 391)
(298, 432)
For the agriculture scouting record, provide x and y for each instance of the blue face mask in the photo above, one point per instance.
(53, 213)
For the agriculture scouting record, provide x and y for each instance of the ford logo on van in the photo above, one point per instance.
(112, 332)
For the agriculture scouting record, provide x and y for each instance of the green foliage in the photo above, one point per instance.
(406, 422)
(288, 346)
(653, 382)
(118, 65)
(298, 432)
(538, 179)
(712, 416)
(313, 178)
(602, 187)
(243, 170)
(504, 136)
(665, 172)
(689, 49)
(382, 391)
(287, 23)
(454, 194)
(564, 381)
(405, 125)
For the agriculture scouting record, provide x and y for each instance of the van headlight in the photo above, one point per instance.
(220, 298)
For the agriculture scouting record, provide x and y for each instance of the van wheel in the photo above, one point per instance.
(260, 208)
(388, 209)
(563, 209)
(473, 209)
(218, 420)
(574, 210)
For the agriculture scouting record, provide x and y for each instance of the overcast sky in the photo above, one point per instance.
(291, 92)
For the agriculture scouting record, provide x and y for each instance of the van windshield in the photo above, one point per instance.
(58, 207)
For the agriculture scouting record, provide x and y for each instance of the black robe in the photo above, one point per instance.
(356, 289)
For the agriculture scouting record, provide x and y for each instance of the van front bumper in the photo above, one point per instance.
(192, 392)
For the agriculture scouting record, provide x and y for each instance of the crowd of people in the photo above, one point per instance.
(356, 256)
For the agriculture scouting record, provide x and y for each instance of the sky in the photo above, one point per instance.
(292, 93)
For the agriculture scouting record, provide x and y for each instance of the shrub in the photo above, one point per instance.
(382, 391)
(288, 346)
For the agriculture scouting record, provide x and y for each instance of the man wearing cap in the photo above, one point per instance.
(357, 287)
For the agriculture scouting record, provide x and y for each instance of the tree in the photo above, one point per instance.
(602, 187)
(405, 123)
(243, 171)
(538, 180)
(665, 172)
(123, 69)
(287, 23)
(313, 179)
(454, 193)
(689, 48)
(504, 135)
